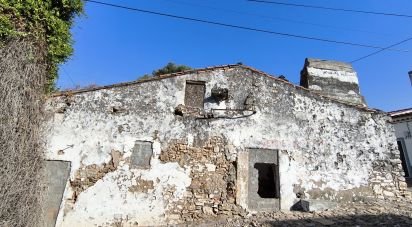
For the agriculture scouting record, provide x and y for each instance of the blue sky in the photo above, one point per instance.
(113, 45)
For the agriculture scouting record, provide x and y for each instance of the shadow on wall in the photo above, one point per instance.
(349, 220)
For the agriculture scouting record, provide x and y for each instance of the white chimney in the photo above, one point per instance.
(335, 79)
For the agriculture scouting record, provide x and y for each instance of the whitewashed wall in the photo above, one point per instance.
(328, 150)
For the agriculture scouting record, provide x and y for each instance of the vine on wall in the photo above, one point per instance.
(34, 39)
(48, 20)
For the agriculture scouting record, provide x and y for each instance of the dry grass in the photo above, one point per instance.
(22, 77)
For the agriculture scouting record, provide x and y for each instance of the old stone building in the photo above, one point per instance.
(216, 142)
(402, 121)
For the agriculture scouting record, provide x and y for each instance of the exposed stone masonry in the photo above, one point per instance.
(89, 175)
(142, 186)
(212, 190)
(387, 180)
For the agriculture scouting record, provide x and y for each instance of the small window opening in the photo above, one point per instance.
(267, 179)
(195, 93)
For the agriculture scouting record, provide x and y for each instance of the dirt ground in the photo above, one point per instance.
(373, 213)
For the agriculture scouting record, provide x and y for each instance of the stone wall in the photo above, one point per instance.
(198, 166)
(213, 179)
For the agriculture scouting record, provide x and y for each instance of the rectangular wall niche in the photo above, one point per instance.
(195, 93)
(57, 174)
(141, 154)
(263, 183)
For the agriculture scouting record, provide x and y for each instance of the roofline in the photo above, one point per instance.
(139, 81)
(170, 75)
(401, 112)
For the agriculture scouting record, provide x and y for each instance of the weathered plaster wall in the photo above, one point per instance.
(327, 150)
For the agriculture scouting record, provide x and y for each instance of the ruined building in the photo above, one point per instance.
(216, 142)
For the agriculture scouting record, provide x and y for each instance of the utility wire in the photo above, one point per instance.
(330, 8)
(277, 18)
(241, 27)
(70, 78)
(377, 52)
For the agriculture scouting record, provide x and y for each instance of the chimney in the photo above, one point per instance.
(334, 79)
(410, 76)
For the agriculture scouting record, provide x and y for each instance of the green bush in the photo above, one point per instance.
(171, 68)
(46, 21)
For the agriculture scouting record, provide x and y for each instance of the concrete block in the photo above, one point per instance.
(301, 205)
(141, 154)
(242, 179)
(256, 180)
(57, 174)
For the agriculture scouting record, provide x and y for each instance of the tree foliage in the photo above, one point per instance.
(170, 68)
(43, 20)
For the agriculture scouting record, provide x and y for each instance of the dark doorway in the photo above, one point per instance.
(264, 180)
(403, 158)
(267, 180)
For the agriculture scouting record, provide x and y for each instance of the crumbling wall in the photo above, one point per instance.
(212, 191)
(197, 169)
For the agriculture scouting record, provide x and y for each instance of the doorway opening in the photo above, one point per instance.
(266, 180)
